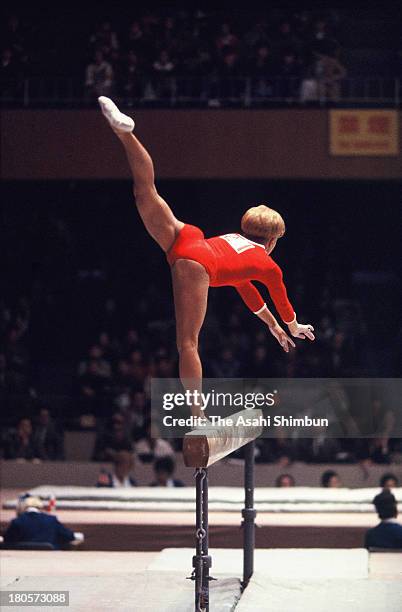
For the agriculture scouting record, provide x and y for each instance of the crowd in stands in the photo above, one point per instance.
(112, 391)
(187, 54)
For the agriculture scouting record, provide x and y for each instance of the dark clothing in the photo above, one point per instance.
(107, 444)
(15, 448)
(38, 527)
(48, 443)
(385, 535)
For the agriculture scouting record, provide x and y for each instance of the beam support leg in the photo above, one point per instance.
(248, 513)
(201, 560)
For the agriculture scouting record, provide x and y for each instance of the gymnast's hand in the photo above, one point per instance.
(282, 337)
(301, 331)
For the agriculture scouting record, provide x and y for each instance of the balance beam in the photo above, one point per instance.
(204, 446)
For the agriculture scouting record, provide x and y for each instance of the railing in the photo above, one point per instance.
(204, 92)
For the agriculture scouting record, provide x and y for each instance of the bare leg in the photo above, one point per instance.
(157, 216)
(190, 290)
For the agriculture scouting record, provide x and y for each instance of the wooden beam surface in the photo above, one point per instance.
(205, 446)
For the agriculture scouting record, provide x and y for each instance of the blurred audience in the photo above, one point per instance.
(99, 77)
(330, 480)
(164, 469)
(19, 443)
(112, 439)
(47, 439)
(389, 481)
(285, 480)
(290, 55)
(150, 446)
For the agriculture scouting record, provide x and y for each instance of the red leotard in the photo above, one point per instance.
(233, 260)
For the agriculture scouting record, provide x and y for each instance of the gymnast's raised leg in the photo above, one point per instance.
(190, 280)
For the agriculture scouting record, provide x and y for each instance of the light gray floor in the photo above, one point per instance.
(359, 595)
(284, 580)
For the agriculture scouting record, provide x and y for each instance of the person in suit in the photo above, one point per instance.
(34, 526)
(164, 470)
(120, 477)
(388, 533)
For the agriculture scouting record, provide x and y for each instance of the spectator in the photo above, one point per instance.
(34, 526)
(96, 356)
(226, 39)
(289, 70)
(150, 446)
(105, 40)
(389, 481)
(99, 77)
(163, 64)
(123, 465)
(131, 79)
(263, 69)
(285, 480)
(164, 470)
(388, 534)
(135, 42)
(46, 438)
(330, 480)
(108, 443)
(329, 72)
(19, 443)
(9, 68)
(93, 388)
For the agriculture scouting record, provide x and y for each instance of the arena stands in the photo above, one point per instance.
(207, 58)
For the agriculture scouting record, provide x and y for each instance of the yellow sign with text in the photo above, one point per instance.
(363, 132)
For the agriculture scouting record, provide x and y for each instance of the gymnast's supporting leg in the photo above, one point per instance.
(155, 213)
(190, 290)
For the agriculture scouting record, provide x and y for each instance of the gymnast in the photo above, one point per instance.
(198, 263)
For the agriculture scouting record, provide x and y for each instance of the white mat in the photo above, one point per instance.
(225, 499)
(311, 563)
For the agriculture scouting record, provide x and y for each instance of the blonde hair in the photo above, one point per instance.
(262, 222)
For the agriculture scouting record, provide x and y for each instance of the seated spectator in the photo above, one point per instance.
(99, 77)
(163, 64)
(150, 446)
(34, 526)
(389, 481)
(105, 39)
(120, 477)
(110, 442)
(285, 480)
(131, 78)
(164, 469)
(329, 72)
(94, 388)
(330, 480)
(226, 38)
(19, 443)
(47, 439)
(96, 354)
(164, 68)
(388, 534)
(289, 70)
